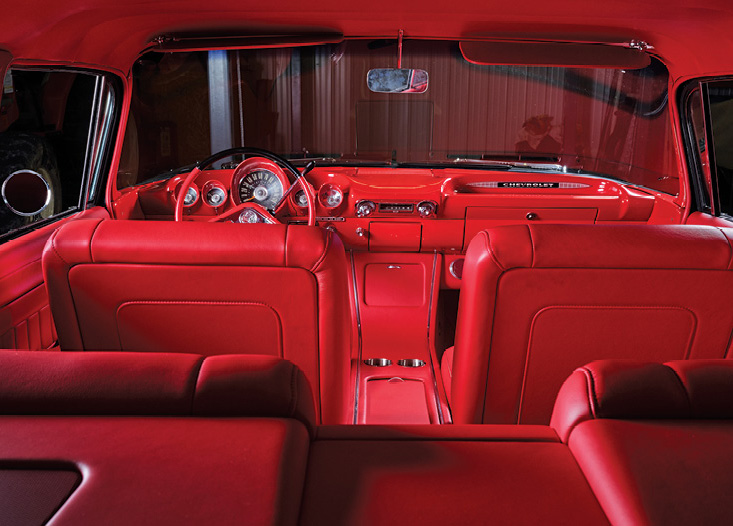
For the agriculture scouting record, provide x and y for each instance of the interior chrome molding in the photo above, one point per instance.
(358, 334)
(100, 129)
(430, 354)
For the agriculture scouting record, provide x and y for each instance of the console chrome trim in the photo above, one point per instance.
(441, 419)
(358, 332)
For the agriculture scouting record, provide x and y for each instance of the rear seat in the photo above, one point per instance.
(176, 457)
(127, 438)
(438, 475)
(653, 440)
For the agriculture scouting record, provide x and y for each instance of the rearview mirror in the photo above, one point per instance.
(397, 80)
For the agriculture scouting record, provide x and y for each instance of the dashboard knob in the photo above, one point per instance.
(427, 208)
(365, 208)
(531, 216)
(361, 232)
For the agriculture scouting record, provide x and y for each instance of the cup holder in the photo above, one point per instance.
(378, 362)
(412, 362)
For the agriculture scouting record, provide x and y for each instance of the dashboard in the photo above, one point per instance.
(383, 209)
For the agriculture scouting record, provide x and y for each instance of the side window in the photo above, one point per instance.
(720, 111)
(708, 128)
(53, 129)
(697, 149)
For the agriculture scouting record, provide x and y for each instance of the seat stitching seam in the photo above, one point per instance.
(730, 249)
(197, 372)
(91, 240)
(490, 250)
(293, 392)
(53, 247)
(322, 257)
(591, 382)
(531, 240)
(684, 388)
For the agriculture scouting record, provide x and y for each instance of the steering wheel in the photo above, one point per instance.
(295, 176)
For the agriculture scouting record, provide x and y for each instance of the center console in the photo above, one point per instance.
(395, 297)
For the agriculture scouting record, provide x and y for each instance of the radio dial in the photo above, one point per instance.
(365, 208)
(427, 209)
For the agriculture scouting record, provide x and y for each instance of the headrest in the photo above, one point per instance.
(127, 383)
(188, 243)
(606, 246)
(624, 389)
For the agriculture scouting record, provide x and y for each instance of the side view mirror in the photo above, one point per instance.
(397, 80)
(26, 193)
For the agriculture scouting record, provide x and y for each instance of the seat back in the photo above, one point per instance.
(653, 440)
(206, 289)
(537, 301)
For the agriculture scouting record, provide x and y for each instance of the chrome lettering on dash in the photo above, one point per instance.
(520, 184)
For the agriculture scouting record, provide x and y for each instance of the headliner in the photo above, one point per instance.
(692, 40)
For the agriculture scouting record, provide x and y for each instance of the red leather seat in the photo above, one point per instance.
(653, 440)
(537, 301)
(146, 438)
(207, 289)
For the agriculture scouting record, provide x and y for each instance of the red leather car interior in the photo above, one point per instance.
(207, 289)
(231, 439)
(540, 300)
(653, 439)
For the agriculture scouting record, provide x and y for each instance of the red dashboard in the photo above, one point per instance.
(403, 209)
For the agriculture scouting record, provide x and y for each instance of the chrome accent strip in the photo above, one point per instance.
(100, 128)
(358, 332)
(106, 117)
(430, 355)
(91, 136)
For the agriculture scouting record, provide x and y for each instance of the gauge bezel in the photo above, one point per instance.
(251, 165)
(294, 201)
(328, 186)
(210, 185)
(193, 186)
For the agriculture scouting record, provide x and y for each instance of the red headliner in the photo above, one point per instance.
(691, 39)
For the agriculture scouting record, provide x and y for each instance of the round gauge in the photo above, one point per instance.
(300, 199)
(192, 196)
(216, 196)
(330, 196)
(249, 216)
(262, 187)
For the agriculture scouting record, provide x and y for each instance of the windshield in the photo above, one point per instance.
(314, 102)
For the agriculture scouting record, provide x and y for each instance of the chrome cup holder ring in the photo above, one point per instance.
(378, 362)
(411, 362)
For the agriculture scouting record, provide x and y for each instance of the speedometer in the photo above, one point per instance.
(262, 187)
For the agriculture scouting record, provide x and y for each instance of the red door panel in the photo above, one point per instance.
(25, 317)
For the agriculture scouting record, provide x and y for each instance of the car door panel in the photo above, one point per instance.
(25, 316)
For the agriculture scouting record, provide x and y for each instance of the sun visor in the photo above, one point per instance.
(560, 54)
(196, 43)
